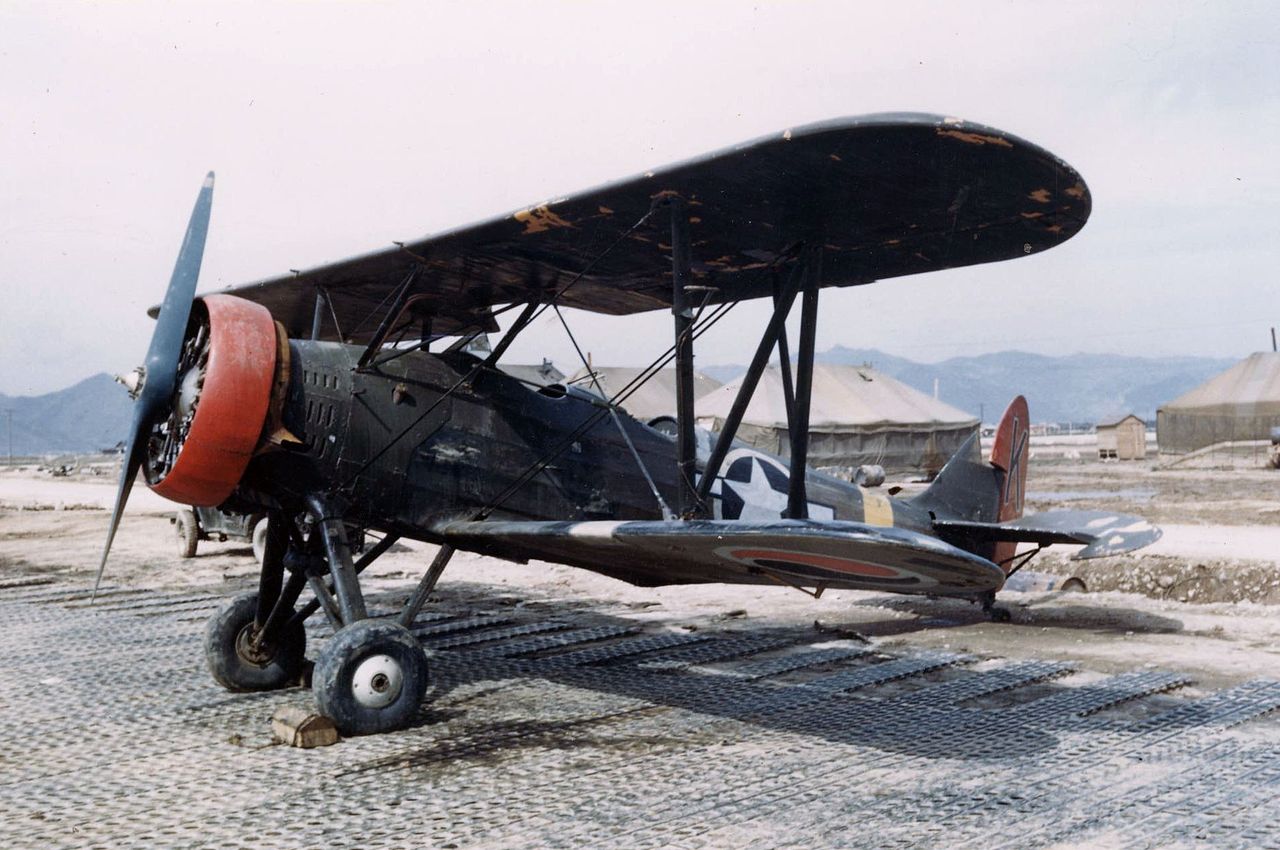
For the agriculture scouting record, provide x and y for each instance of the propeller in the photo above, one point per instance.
(159, 377)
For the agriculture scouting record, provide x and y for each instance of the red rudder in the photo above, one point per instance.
(1009, 456)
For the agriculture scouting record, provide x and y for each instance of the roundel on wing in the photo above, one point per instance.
(819, 566)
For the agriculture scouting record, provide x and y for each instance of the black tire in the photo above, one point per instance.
(233, 662)
(184, 525)
(259, 537)
(370, 677)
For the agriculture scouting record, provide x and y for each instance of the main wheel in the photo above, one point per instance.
(259, 538)
(370, 677)
(237, 664)
(184, 524)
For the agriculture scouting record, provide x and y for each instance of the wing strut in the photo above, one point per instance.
(689, 504)
(774, 332)
(797, 499)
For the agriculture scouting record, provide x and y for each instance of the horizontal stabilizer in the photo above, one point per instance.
(1103, 532)
(796, 552)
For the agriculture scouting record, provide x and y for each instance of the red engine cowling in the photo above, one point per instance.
(224, 390)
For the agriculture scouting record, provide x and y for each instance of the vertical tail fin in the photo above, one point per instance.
(1009, 457)
(971, 489)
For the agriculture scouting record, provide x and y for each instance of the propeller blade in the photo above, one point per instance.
(161, 369)
(171, 324)
(128, 471)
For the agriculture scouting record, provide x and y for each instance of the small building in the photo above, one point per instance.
(1122, 438)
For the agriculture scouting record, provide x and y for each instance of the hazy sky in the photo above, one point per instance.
(337, 128)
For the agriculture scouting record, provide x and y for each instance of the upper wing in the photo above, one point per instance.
(1104, 532)
(887, 195)
(799, 552)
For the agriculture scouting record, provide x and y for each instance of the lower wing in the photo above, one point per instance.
(802, 553)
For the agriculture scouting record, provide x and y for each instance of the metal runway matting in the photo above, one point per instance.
(564, 726)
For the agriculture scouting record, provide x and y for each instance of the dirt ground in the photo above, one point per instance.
(1205, 599)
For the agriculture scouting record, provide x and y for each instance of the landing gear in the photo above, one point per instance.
(998, 614)
(372, 674)
(370, 677)
(240, 661)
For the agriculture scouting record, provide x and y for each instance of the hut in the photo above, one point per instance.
(1240, 404)
(1122, 438)
(857, 416)
(655, 397)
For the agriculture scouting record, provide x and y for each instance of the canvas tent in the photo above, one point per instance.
(857, 416)
(1242, 403)
(656, 397)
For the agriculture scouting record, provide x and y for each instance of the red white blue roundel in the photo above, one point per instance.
(819, 566)
(753, 487)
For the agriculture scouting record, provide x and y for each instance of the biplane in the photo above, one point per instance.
(347, 396)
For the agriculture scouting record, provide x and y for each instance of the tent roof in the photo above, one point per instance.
(844, 397)
(540, 374)
(1252, 383)
(656, 397)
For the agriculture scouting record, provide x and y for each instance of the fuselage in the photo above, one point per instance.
(404, 453)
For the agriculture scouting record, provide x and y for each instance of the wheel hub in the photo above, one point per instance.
(377, 681)
(253, 651)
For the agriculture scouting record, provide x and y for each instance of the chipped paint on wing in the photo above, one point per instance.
(605, 210)
(786, 135)
(594, 530)
(1040, 196)
(540, 218)
(1077, 191)
(975, 138)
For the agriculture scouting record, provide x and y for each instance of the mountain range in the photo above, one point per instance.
(90, 415)
(1080, 388)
